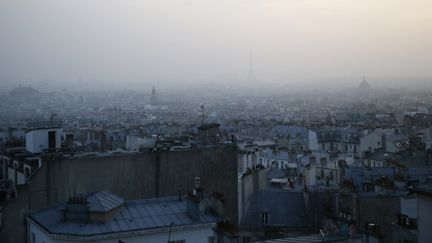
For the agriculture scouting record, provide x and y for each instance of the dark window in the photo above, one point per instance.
(264, 217)
(52, 140)
(246, 239)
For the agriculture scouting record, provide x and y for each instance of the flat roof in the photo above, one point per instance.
(42, 128)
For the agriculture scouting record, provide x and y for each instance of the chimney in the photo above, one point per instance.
(193, 200)
(198, 192)
(76, 209)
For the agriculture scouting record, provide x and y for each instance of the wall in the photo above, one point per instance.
(20, 176)
(381, 210)
(248, 185)
(424, 218)
(313, 141)
(132, 176)
(37, 140)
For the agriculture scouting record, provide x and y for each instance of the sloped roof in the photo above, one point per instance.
(103, 201)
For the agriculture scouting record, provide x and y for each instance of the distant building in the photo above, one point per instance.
(295, 138)
(22, 91)
(106, 217)
(209, 133)
(364, 85)
(153, 97)
(279, 159)
(134, 143)
(11, 135)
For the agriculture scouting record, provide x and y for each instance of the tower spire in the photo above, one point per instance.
(153, 97)
(251, 75)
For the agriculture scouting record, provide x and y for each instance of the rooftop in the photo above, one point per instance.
(137, 215)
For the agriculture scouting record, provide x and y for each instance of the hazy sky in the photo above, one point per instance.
(203, 40)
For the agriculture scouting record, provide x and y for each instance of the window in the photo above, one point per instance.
(264, 217)
(177, 241)
(33, 238)
(27, 172)
(210, 239)
(246, 239)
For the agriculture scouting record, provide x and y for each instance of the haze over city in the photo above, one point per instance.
(136, 44)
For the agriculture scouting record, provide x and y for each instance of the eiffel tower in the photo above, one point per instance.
(251, 75)
(153, 98)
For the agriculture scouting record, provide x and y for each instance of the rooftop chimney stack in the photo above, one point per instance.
(198, 191)
(193, 200)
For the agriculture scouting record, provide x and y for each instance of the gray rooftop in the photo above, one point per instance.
(135, 215)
